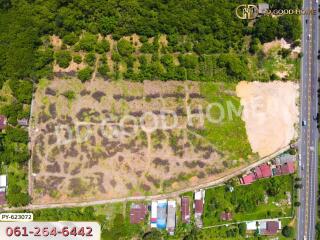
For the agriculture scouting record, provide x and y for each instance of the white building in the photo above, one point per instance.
(171, 217)
(154, 211)
(3, 183)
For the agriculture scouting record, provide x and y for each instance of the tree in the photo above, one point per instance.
(167, 60)
(18, 199)
(188, 60)
(125, 48)
(107, 25)
(242, 229)
(70, 38)
(21, 90)
(288, 232)
(85, 74)
(18, 135)
(88, 42)
(266, 29)
(77, 59)
(103, 46)
(63, 58)
(152, 235)
(290, 27)
(90, 58)
(234, 65)
(103, 70)
(297, 204)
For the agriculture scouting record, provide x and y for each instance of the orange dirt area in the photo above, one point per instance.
(270, 113)
(95, 146)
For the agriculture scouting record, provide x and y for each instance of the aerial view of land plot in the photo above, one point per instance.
(95, 135)
(142, 159)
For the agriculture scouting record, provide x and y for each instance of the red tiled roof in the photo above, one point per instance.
(287, 168)
(263, 171)
(272, 228)
(185, 210)
(258, 172)
(2, 198)
(3, 121)
(226, 216)
(138, 213)
(198, 206)
(248, 179)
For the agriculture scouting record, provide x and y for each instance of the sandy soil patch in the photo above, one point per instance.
(270, 114)
(56, 42)
(276, 43)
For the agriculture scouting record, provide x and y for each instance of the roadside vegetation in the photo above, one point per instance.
(115, 222)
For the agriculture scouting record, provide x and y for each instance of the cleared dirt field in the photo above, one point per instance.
(270, 113)
(109, 152)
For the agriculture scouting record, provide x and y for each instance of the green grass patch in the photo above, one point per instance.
(228, 135)
(265, 198)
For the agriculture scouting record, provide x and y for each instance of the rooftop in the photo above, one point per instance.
(248, 179)
(263, 171)
(3, 122)
(2, 198)
(3, 181)
(287, 168)
(272, 228)
(198, 206)
(138, 213)
(226, 216)
(185, 209)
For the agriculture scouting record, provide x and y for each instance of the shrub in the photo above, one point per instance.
(188, 61)
(288, 232)
(70, 95)
(77, 59)
(104, 69)
(116, 56)
(85, 74)
(167, 60)
(63, 58)
(70, 39)
(103, 46)
(125, 48)
(90, 59)
(88, 42)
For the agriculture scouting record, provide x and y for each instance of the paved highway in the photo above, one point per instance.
(309, 133)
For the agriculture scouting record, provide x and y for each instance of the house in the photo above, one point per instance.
(251, 226)
(162, 213)
(269, 227)
(198, 206)
(138, 213)
(185, 210)
(287, 168)
(3, 122)
(3, 183)
(226, 216)
(248, 179)
(284, 158)
(171, 218)
(262, 8)
(263, 171)
(2, 198)
(154, 211)
(24, 122)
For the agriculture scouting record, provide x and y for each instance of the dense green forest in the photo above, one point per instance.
(211, 27)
